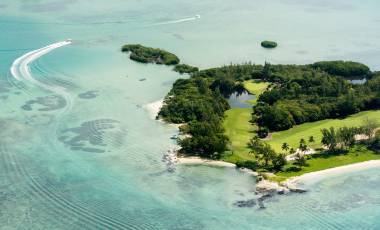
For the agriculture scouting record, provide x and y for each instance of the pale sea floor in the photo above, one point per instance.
(93, 160)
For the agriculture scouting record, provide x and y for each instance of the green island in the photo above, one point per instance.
(269, 44)
(144, 54)
(302, 118)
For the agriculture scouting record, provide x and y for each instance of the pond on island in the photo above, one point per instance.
(357, 81)
(241, 100)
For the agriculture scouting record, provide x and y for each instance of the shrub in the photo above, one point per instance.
(183, 68)
(253, 165)
(263, 132)
(144, 54)
(375, 142)
(269, 44)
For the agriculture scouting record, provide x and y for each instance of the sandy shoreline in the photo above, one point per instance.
(313, 177)
(200, 161)
(154, 108)
(207, 162)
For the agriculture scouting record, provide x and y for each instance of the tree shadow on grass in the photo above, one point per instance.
(328, 154)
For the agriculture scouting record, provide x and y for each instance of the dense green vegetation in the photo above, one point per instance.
(305, 94)
(144, 54)
(375, 144)
(286, 95)
(191, 101)
(290, 95)
(265, 157)
(343, 68)
(200, 102)
(269, 44)
(183, 68)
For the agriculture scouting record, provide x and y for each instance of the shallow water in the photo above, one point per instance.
(89, 157)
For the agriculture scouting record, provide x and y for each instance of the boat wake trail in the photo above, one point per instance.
(20, 70)
(178, 21)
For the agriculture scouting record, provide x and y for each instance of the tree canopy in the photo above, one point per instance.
(144, 54)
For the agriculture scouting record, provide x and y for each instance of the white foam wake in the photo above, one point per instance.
(20, 69)
(178, 21)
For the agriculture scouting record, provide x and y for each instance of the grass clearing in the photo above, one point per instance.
(238, 127)
(240, 131)
(293, 135)
(256, 88)
(323, 161)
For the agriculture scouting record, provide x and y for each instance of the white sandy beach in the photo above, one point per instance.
(313, 177)
(207, 162)
(154, 108)
(200, 161)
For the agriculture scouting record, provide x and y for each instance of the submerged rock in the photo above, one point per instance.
(245, 203)
(297, 190)
(170, 158)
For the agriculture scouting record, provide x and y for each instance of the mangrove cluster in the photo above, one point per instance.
(269, 44)
(183, 68)
(200, 102)
(144, 54)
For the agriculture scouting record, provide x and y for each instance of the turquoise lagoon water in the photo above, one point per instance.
(89, 157)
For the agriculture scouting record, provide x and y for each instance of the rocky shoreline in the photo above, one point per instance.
(267, 189)
(264, 190)
(171, 159)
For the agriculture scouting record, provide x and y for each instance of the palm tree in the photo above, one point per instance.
(329, 138)
(303, 146)
(285, 147)
(302, 141)
(311, 139)
(262, 151)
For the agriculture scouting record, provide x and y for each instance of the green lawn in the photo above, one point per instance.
(325, 161)
(293, 135)
(240, 131)
(256, 88)
(237, 125)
